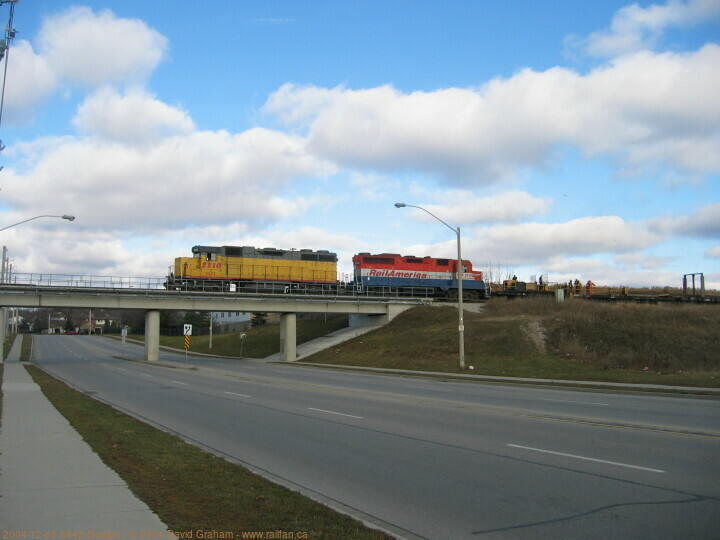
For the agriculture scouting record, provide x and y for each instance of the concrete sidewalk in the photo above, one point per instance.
(50, 479)
(325, 342)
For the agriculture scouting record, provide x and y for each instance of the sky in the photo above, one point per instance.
(575, 139)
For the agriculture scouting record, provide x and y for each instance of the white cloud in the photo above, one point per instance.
(185, 180)
(539, 244)
(464, 208)
(527, 243)
(89, 48)
(372, 186)
(134, 118)
(641, 260)
(80, 47)
(634, 28)
(647, 110)
(52, 246)
(31, 80)
(702, 223)
(713, 253)
(562, 269)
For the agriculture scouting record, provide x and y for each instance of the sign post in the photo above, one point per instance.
(242, 340)
(123, 333)
(187, 332)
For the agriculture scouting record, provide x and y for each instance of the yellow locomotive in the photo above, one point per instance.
(232, 267)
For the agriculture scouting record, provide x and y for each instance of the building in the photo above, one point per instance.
(230, 321)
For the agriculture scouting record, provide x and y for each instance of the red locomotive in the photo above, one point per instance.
(425, 275)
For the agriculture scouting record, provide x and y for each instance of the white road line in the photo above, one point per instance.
(122, 369)
(145, 375)
(432, 389)
(331, 412)
(586, 458)
(178, 382)
(235, 394)
(568, 401)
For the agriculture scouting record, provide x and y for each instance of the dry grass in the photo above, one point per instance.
(539, 338)
(660, 337)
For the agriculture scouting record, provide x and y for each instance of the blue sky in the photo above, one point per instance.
(574, 139)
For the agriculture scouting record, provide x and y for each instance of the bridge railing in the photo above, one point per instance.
(340, 290)
(85, 281)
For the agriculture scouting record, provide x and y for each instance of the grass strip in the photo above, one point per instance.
(7, 344)
(189, 488)
(26, 349)
(260, 341)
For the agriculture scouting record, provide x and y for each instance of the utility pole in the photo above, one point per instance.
(4, 264)
(211, 325)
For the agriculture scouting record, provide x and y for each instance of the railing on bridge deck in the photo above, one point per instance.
(84, 281)
(340, 290)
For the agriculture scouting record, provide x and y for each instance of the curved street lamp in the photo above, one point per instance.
(64, 216)
(461, 324)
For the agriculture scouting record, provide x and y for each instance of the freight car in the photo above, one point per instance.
(233, 268)
(418, 275)
(514, 287)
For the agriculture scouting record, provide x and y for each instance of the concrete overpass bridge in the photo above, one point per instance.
(85, 294)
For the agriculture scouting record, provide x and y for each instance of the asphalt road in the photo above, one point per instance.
(432, 459)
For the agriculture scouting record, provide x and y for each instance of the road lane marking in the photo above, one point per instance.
(568, 401)
(146, 375)
(178, 382)
(586, 458)
(332, 412)
(236, 394)
(432, 389)
(122, 369)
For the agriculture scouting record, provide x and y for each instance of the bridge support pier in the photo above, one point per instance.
(288, 337)
(152, 336)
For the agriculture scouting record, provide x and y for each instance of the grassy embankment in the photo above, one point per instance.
(188, 488)
(261, 341)
(673, 344)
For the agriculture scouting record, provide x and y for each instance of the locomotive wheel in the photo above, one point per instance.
(471, 295)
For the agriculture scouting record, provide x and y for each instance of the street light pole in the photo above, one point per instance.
(3, 316)
(460, 271)
(64, 216)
